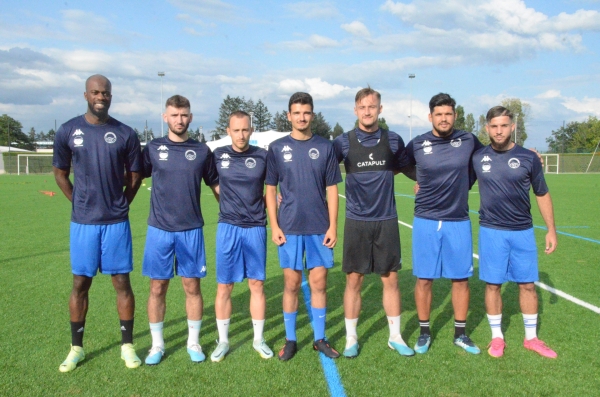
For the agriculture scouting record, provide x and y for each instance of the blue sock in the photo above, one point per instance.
(318, 316)
(289, 320)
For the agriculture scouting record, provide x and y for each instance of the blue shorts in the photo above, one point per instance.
(241, 253)
(305, 252)
(167, 253)
(442, 249)
(507, 255)
(101, 247)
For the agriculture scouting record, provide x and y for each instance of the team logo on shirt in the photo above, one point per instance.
(78, 140)
(250, 162)
(110, 137)
(287, 153)
(486, 160)
(514, 163)
(163, 152)
(456, 142)
(313, 153)
(225, 160)
(427, 147)
(190, 155)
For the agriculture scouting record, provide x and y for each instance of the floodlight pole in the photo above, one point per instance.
(411, 76)
(516, 127)
(251, 119)
(161, 75)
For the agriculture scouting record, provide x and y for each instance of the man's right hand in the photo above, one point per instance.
(277, 236)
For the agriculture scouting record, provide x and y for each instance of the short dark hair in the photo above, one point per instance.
(239, 113)
(365, 92)
(302, 98)
(178, 102)
(441, 99)
(498, 111)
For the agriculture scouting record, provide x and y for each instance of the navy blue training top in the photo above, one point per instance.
(370, 194)
(303, 170)
(100, 155)
(504, 182)
(443, 174)
(241, 185)
(177, 169)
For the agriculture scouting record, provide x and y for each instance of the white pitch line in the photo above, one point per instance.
(548, 288)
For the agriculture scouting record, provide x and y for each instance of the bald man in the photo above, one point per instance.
(105, 156)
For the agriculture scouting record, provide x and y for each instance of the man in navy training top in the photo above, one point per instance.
(305, 229)
(106, 156)
(371, 156)
(175, 240)
(241, 232)
(442, 245)
(507, 249)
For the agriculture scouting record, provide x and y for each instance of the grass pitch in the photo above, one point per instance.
(35, 283)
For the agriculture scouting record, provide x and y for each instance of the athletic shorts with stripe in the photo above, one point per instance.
(507, 255)
(241, 253)
(101, 247)
(371, 247)
(169, 253)
(442, 249)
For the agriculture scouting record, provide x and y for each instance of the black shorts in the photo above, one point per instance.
(371, 247)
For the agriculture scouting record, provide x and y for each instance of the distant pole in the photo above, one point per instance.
(411, 76)
(8, 138)
(201, 135)
(161, 75)
(251, 120)
(516, 127)
(146, 132)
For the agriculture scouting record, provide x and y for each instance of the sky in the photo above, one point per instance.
(479, 51)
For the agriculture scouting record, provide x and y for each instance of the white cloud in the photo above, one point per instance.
(316, 87)
(356, 28)
(549, 94)
(589, 106)
(397, 112)
(314, 42)
(313, 10)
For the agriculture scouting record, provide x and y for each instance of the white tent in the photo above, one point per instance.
(260, 139)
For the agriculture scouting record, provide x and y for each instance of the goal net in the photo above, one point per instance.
(571, 163)
(34, 164)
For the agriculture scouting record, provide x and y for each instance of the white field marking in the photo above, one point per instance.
(552, 290)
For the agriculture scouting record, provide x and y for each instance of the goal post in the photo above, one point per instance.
(551, 163)
(34, 164)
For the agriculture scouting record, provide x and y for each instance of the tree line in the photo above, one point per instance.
(575, 137)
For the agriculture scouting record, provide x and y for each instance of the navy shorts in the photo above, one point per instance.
(507, 255)
(305, 252)
(241, 253)
(167, 253)
(101, 247)
(442, 249)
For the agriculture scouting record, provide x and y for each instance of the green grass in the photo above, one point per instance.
(35, 283)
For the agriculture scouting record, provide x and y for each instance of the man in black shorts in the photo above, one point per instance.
(371, 156)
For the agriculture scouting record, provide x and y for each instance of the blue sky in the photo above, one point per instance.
(481, 51)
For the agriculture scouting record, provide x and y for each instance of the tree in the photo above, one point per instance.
(575, 137)
(32, 134)
(482, 134)
(337, 130)
(11, 133)
(521, 117)
(459, 122)
(50, 135)
(281, 122)
(562, 138)
(262, 117)
(470, 123)
(229, 106)
(320, 127)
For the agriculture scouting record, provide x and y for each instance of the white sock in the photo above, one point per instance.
(258, 326)
(530, 321)
(495, 321)
(156, 330)
(394, 324)
(351, 335)
(223, 328)
(194, 332)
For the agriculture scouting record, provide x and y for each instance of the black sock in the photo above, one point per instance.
(126, 331)
(77, 333)
(459, 328)
(424, 327)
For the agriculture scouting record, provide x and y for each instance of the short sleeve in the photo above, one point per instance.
(211, 176)
(62, 155)
(272, 178)
(538, 182)
(410, 154)
(334, 176)
(338, 148)
(146, 163)
(134, 153)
